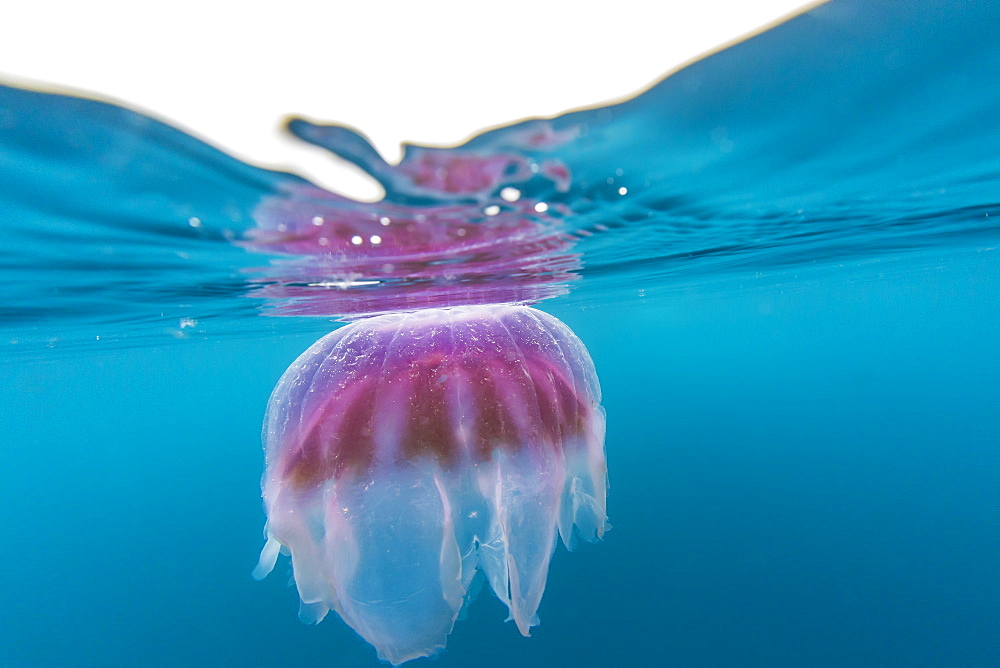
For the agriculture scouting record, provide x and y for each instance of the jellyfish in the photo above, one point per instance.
(336, 257)
(410, 456)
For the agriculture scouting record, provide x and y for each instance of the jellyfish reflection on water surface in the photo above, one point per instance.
(407, 452)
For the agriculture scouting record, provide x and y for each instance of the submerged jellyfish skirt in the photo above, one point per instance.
(408, 452)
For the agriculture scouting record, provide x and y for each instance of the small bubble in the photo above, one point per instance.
(356, 240)
(385, 220)
(317, 220)
(282, 227)
(509, 194)
(194, 222)
(375, 239)
(460, 231)
(541, 207)
(323, 241)
(491, 210)
(623, 190)
(619, 171)
(611, 180)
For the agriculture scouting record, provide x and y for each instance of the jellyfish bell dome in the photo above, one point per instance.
(409, 452)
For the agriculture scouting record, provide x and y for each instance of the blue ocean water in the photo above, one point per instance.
(793, 309)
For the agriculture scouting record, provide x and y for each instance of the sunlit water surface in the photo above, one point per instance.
(783, 260)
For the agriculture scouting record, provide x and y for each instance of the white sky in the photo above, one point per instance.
(427, 71)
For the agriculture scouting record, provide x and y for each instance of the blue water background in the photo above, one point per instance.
(798, 350)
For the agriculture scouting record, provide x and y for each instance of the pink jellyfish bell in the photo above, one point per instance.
(407, 452)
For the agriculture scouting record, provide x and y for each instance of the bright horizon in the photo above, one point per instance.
(434, 73)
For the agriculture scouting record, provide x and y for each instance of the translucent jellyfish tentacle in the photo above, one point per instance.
(530, 543)
(468, 518)
(588, 472)
(527, 498)
(493, 552)
(583, 511)
(279, 409)
(451, 556)
(268, 557)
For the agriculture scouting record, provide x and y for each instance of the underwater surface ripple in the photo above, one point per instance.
(849, 132)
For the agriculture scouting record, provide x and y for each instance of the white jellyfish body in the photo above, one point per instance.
(406, 452)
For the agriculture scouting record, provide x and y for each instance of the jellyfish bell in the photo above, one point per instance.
(408, 452)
